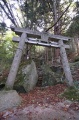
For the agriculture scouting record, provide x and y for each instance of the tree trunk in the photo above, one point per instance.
(56, 28)
(15, 65)
(76, 40)
(65, 64)
(55, 16)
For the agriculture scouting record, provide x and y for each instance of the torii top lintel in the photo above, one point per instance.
(39, 35)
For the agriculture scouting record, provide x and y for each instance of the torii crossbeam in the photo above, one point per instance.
(38, 38)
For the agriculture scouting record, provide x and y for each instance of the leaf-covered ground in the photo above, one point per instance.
(43, 95)
(43, 104)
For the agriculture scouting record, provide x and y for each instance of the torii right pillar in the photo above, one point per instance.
(65, 64)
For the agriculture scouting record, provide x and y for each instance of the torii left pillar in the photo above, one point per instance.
(15, 65)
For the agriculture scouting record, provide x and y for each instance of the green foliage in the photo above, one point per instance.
(76, 59)
(48, 76)
(76, 83)
(40, 13)
(7, 49)
(71, 93)
(2, 27)
(77, 7)
(37, 12)
(74, 27)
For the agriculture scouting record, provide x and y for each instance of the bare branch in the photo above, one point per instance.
(5, 3)
(12, 13)
(7, 14)
(59, 18)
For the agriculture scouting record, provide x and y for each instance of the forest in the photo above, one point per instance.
(39, 59)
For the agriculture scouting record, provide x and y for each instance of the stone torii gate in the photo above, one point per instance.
(38, 38)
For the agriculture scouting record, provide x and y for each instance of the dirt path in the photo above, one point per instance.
(43, 104)
(58, 111)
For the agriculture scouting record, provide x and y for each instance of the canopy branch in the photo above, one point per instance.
(59, 18)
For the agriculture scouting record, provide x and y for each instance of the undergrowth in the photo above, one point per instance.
(71, 93)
